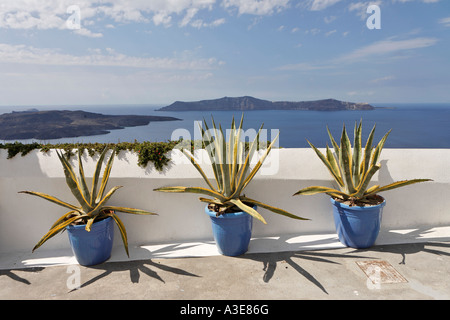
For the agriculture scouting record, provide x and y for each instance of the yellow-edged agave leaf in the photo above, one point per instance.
(346, 162)
(334, 143)
(81, 179)
(55, 230)
(356, 170)
(216, 201)
(361, 189)
(197, 190)
(122, 230)
(105, 178)
(96, 177)
(210, 150)
(72, 182)
(238, 151)
(52, 199)
(103, 201)
(65, 217)
(272, 208)
(329, 162)
(225, 164)
(367, 153)
(318, 189)
(395, 185)
(255, 214)
(218, 142)
(357, 153)
(258, 165)
(231, 166)
(379, 147)
(199, 169)
(243, 170)
(128, 210)
(373, 188)
(89, 224)
(92, 205)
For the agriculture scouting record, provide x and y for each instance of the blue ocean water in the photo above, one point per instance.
(413, 125)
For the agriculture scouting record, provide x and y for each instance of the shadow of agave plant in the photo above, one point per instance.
(135, 268)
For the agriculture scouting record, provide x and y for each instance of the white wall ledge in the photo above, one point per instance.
(25, 219)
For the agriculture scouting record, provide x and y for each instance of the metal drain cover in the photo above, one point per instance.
(380, 272)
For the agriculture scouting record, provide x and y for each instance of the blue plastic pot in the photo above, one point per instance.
(232, 232)
(94, 247)
(357, 227)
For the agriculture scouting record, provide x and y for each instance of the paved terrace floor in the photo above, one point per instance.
(418, 270)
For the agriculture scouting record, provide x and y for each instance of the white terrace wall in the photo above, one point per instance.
(24, 219)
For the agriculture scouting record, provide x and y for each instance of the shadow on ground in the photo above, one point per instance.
(135, 268)
(271, 261)
(411, 248)
(11, 274)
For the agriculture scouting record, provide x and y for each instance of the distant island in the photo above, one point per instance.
(34, 124)
(247, 103)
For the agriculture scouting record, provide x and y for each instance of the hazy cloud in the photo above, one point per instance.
(256, 7)
(318, 5)
(360, 8)
(30, 55)
(52, 14)
(387, 46)
(445, 21)
(371, 51)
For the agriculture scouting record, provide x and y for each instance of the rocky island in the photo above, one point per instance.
(44, 125)
(250, 103)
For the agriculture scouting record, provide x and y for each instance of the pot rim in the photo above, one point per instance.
(358, 208)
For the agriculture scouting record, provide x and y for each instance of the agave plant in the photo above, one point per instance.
(92, 203)
(352, 171)
(231, 167)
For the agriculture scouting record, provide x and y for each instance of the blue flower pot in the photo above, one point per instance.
(232, 232)
(94, 247)
(357, 227)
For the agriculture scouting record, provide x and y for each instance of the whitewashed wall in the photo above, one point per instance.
(24, 219)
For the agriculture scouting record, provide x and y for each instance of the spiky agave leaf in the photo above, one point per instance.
(394, 185)
(52, 199)
(96, 176)
(72, 182)
(272, 208)
(57, 229)
(354, 171)
(92, 203)
(231, 168)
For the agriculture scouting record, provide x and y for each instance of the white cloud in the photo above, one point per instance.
(361, 7)
(303, 66)
(318, 5)
(52, 14)
(200, 24)
(445, 21)
(329, 33)
(23, 54)
(328, 20)
(386, 47)
(424, 1)
(383, 79)
(374, 50)
(87, 33)
(256, 7)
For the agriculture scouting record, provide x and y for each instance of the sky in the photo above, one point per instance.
(81, 52)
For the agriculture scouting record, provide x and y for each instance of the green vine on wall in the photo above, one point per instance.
(154, 152)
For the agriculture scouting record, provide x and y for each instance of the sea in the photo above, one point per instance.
(425, 125)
